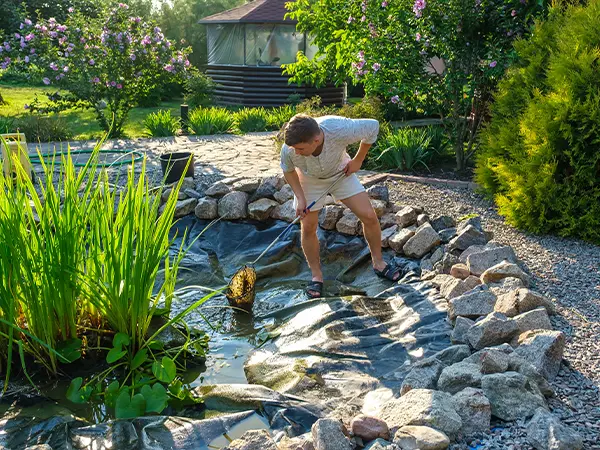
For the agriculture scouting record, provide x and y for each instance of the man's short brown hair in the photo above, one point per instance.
(301, 128)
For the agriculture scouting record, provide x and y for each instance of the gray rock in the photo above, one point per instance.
(34, 447)
(423, 375)
(472, 282)
(369, 428)
(219, 189)
(475, 303)
(207, 208)
(466, 238)
(423, 407)
(536, 319)
(398, 240)
(261, 209)
(379, 192)
(253, 440)
(474, 222)
(167, 193)
(547, 432)
(459, 333)
(453, 354)
(512, 395)
(284, 194)
(425, 239)
(442, 223)
(268, 187)
(502, 270)
(459, 376)
(349, 224)
(330, 434)
(479, 262)
(379, 444)
(303, 442)
(182, 207)
(543, 349)
(491, 359)
(192, 193)
(387, 221)
(460, 271)
(518, 364)
(233, 206)
(386, 235)
(492, 330)
(248, 185)
(453, 287)
(447, 234)
(474, 409)
(379, 206)
(446, 263)
(285, 212)
(187, 183)
(329, 216)
(506, 285)
(421, 219)
(406, 217)
(421, 438)
(437, 255)
(464, 256)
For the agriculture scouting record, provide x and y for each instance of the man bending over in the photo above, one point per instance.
(313, 156)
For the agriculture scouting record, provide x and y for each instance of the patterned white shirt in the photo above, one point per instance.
(339, 132)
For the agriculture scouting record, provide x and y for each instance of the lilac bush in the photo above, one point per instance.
(107, 64)
(442, 58)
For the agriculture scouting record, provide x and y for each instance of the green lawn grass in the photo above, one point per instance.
(82, 121)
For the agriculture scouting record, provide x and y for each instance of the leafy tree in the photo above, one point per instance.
(107, 64)
(179, 22)
(540, 156)
(445, 57)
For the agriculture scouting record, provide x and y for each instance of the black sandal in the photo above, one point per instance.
(314, 287)
(389, 272)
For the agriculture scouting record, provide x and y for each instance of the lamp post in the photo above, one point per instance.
(184, 118)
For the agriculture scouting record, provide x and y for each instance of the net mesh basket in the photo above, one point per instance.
(241, 292)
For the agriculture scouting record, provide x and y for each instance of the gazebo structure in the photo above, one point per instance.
(247, 46)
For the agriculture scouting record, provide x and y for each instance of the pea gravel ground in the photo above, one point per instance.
(566, 270)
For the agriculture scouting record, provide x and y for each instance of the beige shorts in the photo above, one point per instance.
(314, 187)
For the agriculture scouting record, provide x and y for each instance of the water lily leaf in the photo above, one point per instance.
(112, 393)
(165, 370)
(156, 397)
(76, 393)
(139, 358)
(129, 408)
(70, 350)
(120, 340)
(114, 355)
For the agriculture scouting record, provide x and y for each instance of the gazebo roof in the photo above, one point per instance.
(257, 11)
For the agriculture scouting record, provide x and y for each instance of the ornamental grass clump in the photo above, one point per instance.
(161, 124)
(250, 120)
(207, 121)
(81, 260)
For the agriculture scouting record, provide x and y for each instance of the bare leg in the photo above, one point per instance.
(310, 244)
(360, 205)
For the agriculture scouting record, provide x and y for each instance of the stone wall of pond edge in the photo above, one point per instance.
(505, 353)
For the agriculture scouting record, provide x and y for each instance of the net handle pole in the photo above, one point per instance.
(295, 221)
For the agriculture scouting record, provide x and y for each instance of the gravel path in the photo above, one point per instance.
(566, 270)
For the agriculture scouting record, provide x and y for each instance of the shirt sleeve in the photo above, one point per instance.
(287, 165)
(363, 130)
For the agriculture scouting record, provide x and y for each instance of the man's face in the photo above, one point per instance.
(307, 148)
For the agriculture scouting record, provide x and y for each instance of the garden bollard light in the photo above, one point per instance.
(184, 118)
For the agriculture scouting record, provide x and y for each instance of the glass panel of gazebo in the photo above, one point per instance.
(272, 44)
(226, 44)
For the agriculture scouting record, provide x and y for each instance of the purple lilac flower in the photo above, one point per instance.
(493, 64)
(29, 37)
(418, 7)
(372, 29)
(187, 63)
(53, 34)
(62, 28)
(66, 69)
(363, 6)
(363, 18)
(418, 37)
(384, 4)
(57, 77)
(91, 62)
(17, 36)
(53, 66)
(26, 59)
(32, 51)
(361, 54)
(23, 44)
(513, 13)
(395, 99)
(169, 68)
(28, 22)
(376, 67)
(95, 80)
(119, 86)
(46, 80)
(123, 5)
(113, 83)
(71, 9)
(146, 40)
(7, 46)
(132, 57)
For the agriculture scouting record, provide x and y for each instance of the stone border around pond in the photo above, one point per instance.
(505, 352)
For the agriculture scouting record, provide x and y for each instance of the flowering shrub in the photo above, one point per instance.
(107, 64)
(443, 57)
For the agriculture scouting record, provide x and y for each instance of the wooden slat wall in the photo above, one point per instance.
(264, 86)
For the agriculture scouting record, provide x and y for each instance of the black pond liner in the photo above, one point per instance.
(340, 352)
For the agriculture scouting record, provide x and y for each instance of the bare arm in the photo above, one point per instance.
(294, 182)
